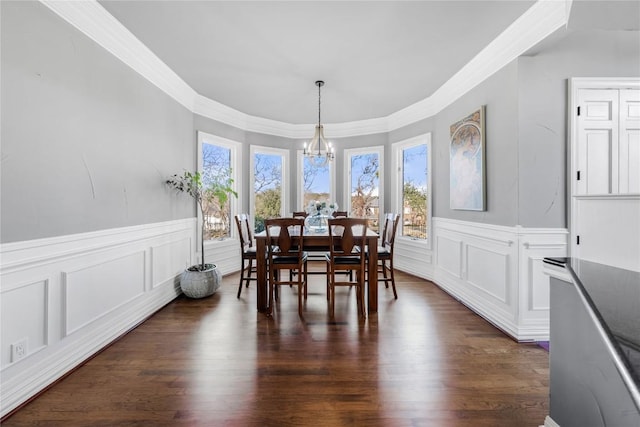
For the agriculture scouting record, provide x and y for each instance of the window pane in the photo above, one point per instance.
(267, 187)
(216, 168)
(365, 187)
(414, 194)
(316, 182)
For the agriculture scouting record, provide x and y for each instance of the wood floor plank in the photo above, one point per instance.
(423, 360)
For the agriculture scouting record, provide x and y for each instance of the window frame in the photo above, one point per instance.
(348, 154)
(300, 184)
(236, 166)
(397, 183)
(259, 149)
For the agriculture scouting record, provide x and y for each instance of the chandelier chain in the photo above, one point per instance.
(319, 86)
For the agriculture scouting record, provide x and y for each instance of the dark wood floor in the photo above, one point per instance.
(424, 360)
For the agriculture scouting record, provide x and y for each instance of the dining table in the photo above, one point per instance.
(317, 240)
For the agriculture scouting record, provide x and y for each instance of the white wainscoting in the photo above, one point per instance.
(68, 297)
(413, 257)
(497, 271)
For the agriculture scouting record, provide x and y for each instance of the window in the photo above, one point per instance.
(218, 162)
(413, 185)
(315, 183)
(364, 169)
(269, 176)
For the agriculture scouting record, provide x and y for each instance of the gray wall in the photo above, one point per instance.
(86, 141)
(526, 127)
(499, 94)
(543, 83)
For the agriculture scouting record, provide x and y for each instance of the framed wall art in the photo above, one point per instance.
(467, 163)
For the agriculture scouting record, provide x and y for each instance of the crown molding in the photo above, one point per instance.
(538, 22)
(88, 16)
(95, 22)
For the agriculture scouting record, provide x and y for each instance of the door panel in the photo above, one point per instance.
(629, 153)
(597, 132)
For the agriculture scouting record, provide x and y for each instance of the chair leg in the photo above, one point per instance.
(301, 290)
(242, 278)
(250, 271)
(332, 294)
(393, 280)
(271, 286)
(327, 281)
(304, 272)
(360, 293)
(384, 273)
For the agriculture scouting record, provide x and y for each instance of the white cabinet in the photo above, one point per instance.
(604, 170)
(608, 141)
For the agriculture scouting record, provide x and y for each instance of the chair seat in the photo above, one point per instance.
(289, 259)
(343, 260)
(384, 253)
(249, 252)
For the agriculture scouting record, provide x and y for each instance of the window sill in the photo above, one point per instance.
(408, 242)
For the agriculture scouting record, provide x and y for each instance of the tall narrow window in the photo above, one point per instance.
(414, 191)
(365, 184)
(316, 183)
(268, 171)
(218, 165)
(413, 184)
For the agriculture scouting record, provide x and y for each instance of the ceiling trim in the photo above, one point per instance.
(539, 21)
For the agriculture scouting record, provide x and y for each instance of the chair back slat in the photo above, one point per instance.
(285, 235)
(244, 231)
(347, 234)
(390, 228)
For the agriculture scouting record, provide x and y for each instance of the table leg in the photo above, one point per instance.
(372, 291)
(261, 274)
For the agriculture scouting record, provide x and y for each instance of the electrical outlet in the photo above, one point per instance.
(19, 349)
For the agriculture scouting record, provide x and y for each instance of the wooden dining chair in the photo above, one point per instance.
(347, 237)
(286, 252)
(247, 251)
(385, 252)
(340, 214)
(299, 214)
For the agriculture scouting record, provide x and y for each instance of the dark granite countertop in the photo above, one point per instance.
(614, 296)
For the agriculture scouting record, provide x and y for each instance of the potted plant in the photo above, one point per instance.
(203, 279)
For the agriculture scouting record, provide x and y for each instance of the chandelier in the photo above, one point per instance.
(319, 150)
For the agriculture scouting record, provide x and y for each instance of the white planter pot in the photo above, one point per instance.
(200, 284)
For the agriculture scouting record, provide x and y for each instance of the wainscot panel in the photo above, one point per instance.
(413, 257)
(66, 298)
(497, 272)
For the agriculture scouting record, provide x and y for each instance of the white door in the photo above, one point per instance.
(597, 141)
(629, 151)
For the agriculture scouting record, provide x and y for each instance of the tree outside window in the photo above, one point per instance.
(267, 187)
(316, 183)
(414, 191)
(365, 188)
(216, 168)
